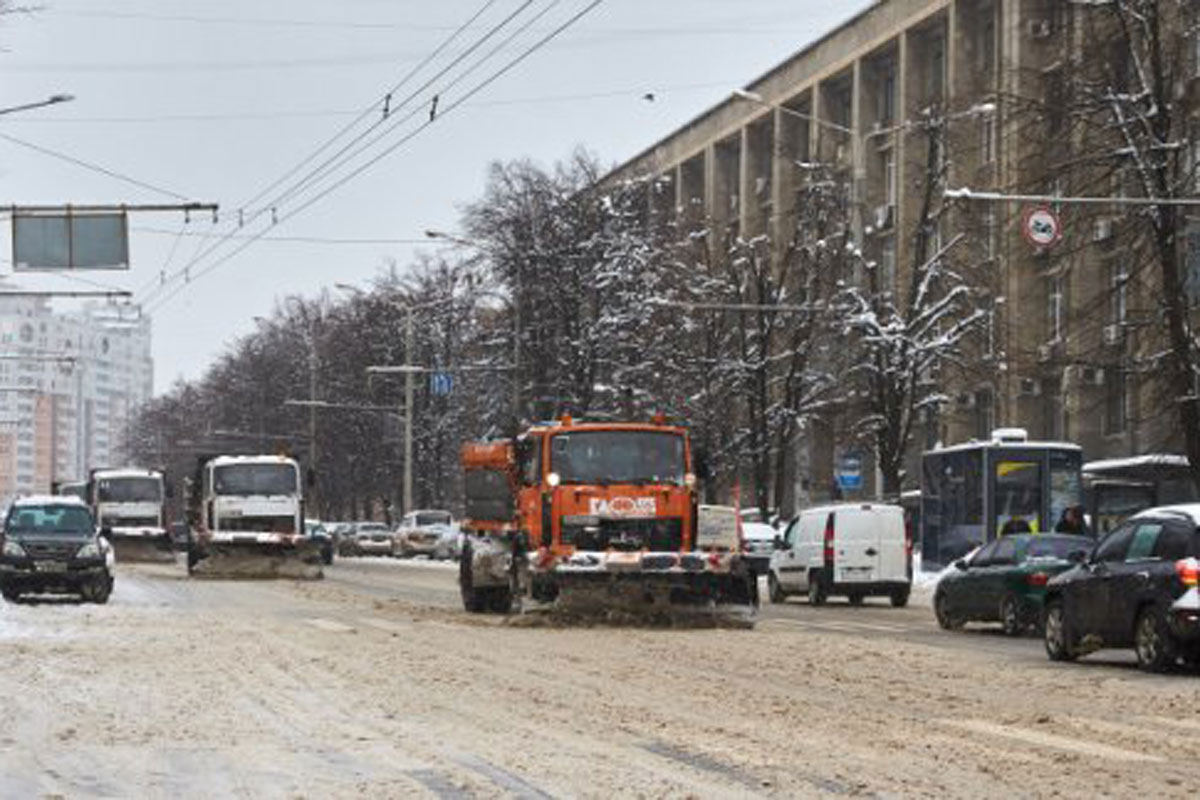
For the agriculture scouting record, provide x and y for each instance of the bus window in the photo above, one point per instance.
(1018, 495)
(1066, 484)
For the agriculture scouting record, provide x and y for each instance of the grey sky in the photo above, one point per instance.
(215, 101)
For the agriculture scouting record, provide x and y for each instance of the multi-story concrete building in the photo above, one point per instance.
(69, 384)
(1055, 355)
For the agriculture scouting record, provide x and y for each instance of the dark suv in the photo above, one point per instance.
(50, 544)
(1137, 588)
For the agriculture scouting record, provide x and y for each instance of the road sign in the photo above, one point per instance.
(69, 240)
(441, 383)
(1041, 227)
(849, 471)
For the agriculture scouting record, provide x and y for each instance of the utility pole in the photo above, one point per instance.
(409, 390)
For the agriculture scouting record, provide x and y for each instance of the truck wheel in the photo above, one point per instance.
(900, 598)
(500, 600)
(10, 595)
(475, 601)
(816, 589)
(855, 599)
(774, 590)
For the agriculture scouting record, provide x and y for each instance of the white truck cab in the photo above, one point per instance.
(855, 550)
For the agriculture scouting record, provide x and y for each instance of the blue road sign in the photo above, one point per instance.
(849, 471)
(441, 383)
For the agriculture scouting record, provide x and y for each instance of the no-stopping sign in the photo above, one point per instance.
(1041, 227)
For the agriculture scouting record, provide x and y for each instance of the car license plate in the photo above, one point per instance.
(50, 566)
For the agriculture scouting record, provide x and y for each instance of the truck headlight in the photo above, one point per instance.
(89, 550)
(13, 549)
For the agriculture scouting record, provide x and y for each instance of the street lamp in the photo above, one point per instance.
(52, 100)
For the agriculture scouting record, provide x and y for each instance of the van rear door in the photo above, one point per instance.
(869, 544)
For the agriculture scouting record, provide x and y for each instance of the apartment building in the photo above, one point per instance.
(69, 384)
(1056, 353)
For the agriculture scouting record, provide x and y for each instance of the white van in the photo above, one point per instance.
(856, 550)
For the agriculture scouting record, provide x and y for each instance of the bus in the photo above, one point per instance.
(973, 493)
(1117, 488)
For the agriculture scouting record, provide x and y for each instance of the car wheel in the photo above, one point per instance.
(816, 590)
(1056, 635)
(855, 599)
(946, 618)
(1010, 616)
(774, 590)
(500, 600)
(900, 598)
(1152, 642)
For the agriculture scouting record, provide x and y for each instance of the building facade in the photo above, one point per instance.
(69, 385)
(1057, 350)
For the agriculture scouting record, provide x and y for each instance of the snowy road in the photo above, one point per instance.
(373, 683)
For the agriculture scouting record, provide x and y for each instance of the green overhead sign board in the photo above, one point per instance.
(67, 240)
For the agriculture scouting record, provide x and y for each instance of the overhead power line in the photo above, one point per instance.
(92, 167)
(339, 158)
(447, 109)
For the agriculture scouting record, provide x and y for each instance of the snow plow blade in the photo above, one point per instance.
(719, 600)
(130, 549)
(256, 561)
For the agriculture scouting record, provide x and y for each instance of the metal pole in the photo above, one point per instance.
(516, 365)
(312, 410)
(408, 415)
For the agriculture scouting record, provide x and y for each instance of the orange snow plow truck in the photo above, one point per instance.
(595, 517)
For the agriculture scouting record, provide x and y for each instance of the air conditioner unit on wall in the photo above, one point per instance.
(1102, 230)
(1045, 352)
(1093, 376)
(1031, 387)
(1112, 335)
(1040, 28)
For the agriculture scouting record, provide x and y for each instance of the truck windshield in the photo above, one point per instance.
(618, 457)
(247, 479)
(129, 490)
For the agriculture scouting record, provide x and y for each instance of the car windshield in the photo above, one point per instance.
(1059, 547)
(425, 518)
(50, 519)
(618, 457)
(129, 490)
(249, 479)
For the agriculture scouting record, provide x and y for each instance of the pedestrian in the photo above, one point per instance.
(1071, 521)
(1015, 525)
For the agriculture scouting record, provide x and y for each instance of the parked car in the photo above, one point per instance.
(318, 533)
(856, 550)
(423, 533)
(373, 539)
(758, 545)
(1137, 588)
(50, 545)
(1005, 581)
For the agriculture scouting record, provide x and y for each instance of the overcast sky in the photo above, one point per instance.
(215, 101)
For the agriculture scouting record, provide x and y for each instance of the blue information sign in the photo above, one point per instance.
(441, 383)
(849, 471)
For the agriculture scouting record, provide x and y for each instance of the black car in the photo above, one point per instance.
(50, 544)
(1137, 588)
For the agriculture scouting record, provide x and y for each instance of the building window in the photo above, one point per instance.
(1118, 290)
(887, 264)
(985, 414)
(987, 138)
(1056, 307)
(1114, 401)
(887, 97)
(937, 69)
(888, 164)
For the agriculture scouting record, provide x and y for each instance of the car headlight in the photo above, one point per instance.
(13, 549)
(89, 550)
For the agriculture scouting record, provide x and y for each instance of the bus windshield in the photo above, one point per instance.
(129, 490)
(618, 457)
(248, 479)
